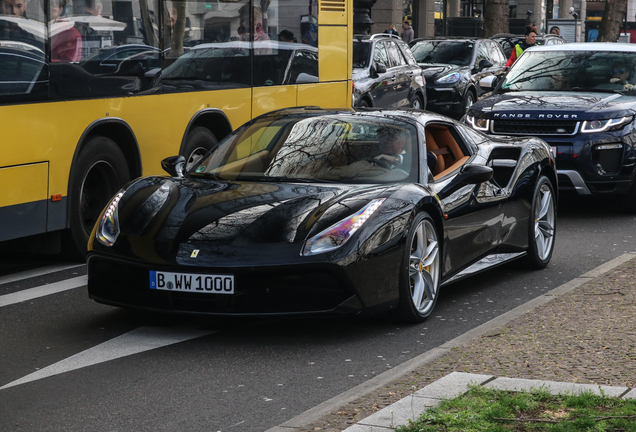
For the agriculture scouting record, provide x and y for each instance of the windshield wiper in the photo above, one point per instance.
(598, 90)
(284, 179)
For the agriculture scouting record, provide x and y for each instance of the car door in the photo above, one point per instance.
(382, 91)
(474, 213)
(399, 75)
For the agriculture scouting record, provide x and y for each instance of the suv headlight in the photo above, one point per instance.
(591, 126)
(338, 234)
(449, 79)
(480, 124)
(108, 228)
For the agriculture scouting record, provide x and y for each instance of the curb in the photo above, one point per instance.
(456, 384)
(427, 357)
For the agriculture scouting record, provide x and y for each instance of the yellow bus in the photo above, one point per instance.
(94, 93)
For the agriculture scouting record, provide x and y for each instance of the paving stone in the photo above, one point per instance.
(452, 385)
(554, 387)
(399, 413)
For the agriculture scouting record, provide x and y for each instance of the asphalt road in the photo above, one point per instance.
(67, 363)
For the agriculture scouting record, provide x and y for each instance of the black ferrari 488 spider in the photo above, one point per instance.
(311, 211)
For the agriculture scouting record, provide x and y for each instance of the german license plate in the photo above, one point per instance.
(195, 283)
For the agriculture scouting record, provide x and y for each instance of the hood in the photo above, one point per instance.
(558, 105)
(434, 71)
(159, 215)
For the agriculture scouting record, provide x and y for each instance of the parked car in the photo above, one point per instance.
(311, 211)
(385, 74)
(581, 100)
(453, 68)
(507, 41)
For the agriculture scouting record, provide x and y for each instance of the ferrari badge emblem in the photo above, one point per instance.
(194, 253)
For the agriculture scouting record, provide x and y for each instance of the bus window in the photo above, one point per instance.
(103, 48)
(23, 70)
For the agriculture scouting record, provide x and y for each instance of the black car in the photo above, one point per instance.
(310, 211)
(579, 98)
(453, 68)
(507, 41)
(385, 74)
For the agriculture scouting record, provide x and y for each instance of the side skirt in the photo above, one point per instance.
(484, 264)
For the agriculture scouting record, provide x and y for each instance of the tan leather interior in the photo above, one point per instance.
(441, 143)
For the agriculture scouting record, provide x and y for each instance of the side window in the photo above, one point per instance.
(494, 50)
(304, 68)
(23, 68)
(380, 54)
(408, 54)
(482, 53)
(102, 48)
(395, 56)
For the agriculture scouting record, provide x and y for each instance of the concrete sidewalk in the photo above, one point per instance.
(583, 332)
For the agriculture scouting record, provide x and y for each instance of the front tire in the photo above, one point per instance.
(417, 103)
(198, 142)
(469, 100)
(100, 171)
(542, 225)
(420, 271)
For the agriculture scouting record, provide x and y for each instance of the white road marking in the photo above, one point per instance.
(44, 290)
(41, 271)
(134, 342)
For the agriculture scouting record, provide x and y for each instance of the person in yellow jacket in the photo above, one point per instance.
(531, 37)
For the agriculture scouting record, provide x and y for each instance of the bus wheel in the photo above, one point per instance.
(198, 142)
(99, 172)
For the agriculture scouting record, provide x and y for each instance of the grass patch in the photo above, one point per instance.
(482, 409)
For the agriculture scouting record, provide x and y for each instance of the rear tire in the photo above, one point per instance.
(541, 225)
(199, 141)
(99, 172)
(420, 271)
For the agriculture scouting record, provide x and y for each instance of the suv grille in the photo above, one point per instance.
(535, 127)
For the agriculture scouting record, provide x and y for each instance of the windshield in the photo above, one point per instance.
(571, 71)
(446, 52)
(346, 148)
(361, 54)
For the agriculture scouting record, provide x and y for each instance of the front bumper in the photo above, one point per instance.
(443, 100)
(590, 164)
(321, 288)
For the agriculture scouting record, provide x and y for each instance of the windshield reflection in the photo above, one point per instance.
(342, 148)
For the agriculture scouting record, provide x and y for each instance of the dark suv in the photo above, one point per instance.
(453, 68)
(580, 98)
(385, 74)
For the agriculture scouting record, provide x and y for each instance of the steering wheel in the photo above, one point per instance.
(380, 162)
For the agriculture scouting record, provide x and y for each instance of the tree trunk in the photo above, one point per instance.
(613, 18)
(496, 17)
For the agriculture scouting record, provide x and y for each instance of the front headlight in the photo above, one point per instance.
(449, 79)
(108, 228)
(338, 234)
(591, 126)
(481, 124)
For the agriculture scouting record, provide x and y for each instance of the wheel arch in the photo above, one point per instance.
(212, 119)
(122, 134)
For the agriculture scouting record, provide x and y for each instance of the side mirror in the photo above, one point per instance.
(484, 64)
(474, 174)
(378, 68)
(488, 83)
(174, 165)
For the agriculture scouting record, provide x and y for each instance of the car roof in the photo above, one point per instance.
(587, 46)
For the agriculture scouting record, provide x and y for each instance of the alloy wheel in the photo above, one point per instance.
(424, 268)
(544, 219)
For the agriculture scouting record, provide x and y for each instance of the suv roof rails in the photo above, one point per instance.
(383, 35)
